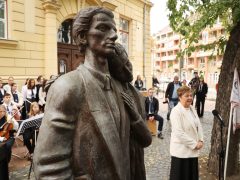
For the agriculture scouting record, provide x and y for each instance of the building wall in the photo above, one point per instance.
(31, 47)
(22, 53)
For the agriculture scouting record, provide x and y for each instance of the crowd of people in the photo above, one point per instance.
(187, 134)
(15, 107)
(199, 89)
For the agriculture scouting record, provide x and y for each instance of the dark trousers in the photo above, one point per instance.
(159, 119)
(3, 161)
(29, 136)
(4, 169)
(200, 106)
(9, 144)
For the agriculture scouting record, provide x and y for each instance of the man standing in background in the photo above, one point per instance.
(171, 94)
(201, 93)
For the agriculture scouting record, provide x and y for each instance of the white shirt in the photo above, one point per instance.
(2, 91)
(27, 93)
(7, 88)
(9, 107)
(42, 96)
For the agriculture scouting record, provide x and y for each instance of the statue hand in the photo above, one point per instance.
(131, 107)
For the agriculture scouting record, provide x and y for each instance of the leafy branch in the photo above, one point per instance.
(190, 17)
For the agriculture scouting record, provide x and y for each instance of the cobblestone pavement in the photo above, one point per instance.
(157, 157)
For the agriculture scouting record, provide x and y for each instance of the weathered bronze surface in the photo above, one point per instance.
(93, 126)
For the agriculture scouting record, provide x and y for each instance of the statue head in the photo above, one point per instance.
(95, 28)
(119, 65)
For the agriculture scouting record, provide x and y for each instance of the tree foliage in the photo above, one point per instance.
(190, 17)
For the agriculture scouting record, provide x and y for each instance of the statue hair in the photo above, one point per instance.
(83, 22)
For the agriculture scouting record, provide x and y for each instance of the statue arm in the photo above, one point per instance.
(141, 132)
(138, 126)
(52, 156)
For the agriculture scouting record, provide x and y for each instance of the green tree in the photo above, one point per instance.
(190, 18)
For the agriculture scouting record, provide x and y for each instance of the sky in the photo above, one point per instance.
(158, 15)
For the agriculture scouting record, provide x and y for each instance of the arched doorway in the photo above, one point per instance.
(69, 57)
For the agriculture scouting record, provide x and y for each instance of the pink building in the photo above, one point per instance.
(166, 64)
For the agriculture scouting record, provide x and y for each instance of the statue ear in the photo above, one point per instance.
(81, 39)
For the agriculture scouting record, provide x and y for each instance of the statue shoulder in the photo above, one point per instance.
(67, 83)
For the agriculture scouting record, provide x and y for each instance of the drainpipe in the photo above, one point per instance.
(144, 40)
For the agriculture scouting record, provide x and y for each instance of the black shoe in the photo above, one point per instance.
(160, 136)
(168, 117)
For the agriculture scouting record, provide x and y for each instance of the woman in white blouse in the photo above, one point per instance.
(29, 94)
(42, 95)
(186, 138)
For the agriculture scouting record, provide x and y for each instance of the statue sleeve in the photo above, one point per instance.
(52, 156)
(141, 132)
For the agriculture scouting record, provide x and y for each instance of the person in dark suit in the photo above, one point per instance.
(152, 107)
(171, 95)
(201, 93)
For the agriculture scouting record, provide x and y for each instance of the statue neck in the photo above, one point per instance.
(97, 62)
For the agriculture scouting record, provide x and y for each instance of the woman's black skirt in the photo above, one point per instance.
(184, 169)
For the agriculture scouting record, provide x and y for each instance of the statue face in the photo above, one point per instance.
(102, 35)
(124, 72)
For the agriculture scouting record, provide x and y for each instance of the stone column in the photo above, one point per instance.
(51, 62)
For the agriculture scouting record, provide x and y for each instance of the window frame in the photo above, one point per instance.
(124, 32)
(5, 20)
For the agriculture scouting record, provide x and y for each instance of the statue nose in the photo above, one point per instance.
(113, 36)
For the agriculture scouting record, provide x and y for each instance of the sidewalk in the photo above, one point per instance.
(157, 157)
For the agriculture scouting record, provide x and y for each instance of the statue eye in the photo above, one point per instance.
(102, 28)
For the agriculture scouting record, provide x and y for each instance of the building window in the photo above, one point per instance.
(62, 67)
(3, 19)
(65, 32)
(216, 76)
(124, 33)
(201, 63)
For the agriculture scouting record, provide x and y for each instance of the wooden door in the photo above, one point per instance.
(69, 58)
(64, 61)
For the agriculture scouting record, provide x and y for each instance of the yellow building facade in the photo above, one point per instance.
(30, 38)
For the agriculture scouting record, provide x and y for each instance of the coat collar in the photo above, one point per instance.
(103, 79)
(182, 109)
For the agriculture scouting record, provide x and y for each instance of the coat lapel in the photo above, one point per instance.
(187, 117)
(104, 119)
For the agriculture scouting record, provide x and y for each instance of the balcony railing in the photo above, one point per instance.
(190, 66)
(168, 58)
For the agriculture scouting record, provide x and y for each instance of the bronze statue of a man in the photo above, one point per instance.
(85, 132)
